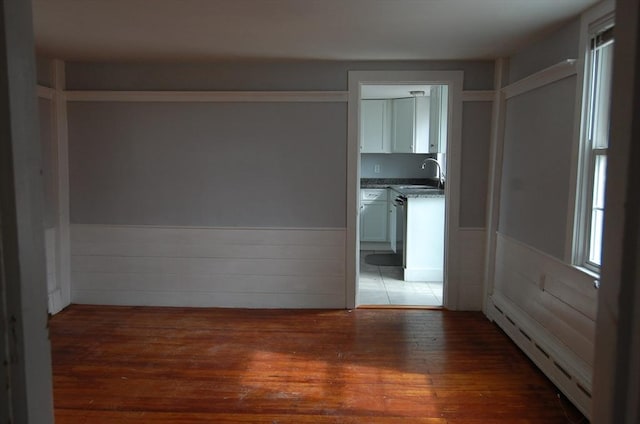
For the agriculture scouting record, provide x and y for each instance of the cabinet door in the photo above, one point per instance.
(403, 125)
(422, 110)
(374, 126)
(438, 116)
(373, 221)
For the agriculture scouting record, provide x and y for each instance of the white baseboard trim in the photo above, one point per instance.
(55, 302)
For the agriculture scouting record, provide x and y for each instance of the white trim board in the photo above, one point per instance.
(226, 96)
(452, 190)
(53, 286)
(206, 96)
(61, 135)
(495, 175)
(208, 267)
(549, 75)
(45, 92)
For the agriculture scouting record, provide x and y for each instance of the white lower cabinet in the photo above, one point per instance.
(374, 215)
(373, 222)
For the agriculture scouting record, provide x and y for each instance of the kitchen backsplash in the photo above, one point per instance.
(394, 165)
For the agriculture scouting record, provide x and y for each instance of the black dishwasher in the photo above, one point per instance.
(400, 203)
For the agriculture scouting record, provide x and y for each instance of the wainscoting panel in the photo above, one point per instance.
(53, 284)
(548, 308)
(217, 267)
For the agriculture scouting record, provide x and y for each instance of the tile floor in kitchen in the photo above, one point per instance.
(383, 285)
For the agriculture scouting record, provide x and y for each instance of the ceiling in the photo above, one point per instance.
(188, 30)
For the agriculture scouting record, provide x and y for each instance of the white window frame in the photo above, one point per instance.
(587, 156)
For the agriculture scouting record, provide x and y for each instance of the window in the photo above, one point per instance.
(592, 178)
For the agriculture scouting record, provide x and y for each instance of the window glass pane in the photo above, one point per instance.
(603, 65)
(595, 245)
(599, 181)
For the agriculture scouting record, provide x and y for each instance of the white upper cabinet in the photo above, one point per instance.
(412, 129)
(375, 126)
(403, 125)
(439, 108)
(423, 123)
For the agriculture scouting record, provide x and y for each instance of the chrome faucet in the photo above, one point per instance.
(440, 174)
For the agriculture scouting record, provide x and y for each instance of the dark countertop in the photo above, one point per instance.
(423, 187)
(420, 192)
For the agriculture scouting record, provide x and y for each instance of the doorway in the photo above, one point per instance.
(370, 283)
(403, 132)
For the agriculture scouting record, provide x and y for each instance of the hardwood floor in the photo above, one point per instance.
(178, 365)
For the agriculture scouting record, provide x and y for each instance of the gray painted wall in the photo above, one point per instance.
(560, 45)
(208, 164)
(476, 132)
(257, 76)
(260, 164)
(538, 143)
(43, 71)
(536, 168)
(394, 165)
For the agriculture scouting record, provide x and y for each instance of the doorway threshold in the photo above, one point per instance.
(427, 307)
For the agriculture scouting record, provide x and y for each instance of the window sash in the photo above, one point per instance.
(600, 95)
(592, 179)
(596, 224)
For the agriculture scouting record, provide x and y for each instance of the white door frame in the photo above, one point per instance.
(454, 80)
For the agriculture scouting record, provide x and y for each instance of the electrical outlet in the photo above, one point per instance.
(376, 168)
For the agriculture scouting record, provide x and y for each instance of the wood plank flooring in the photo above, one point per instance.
(179, 365)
